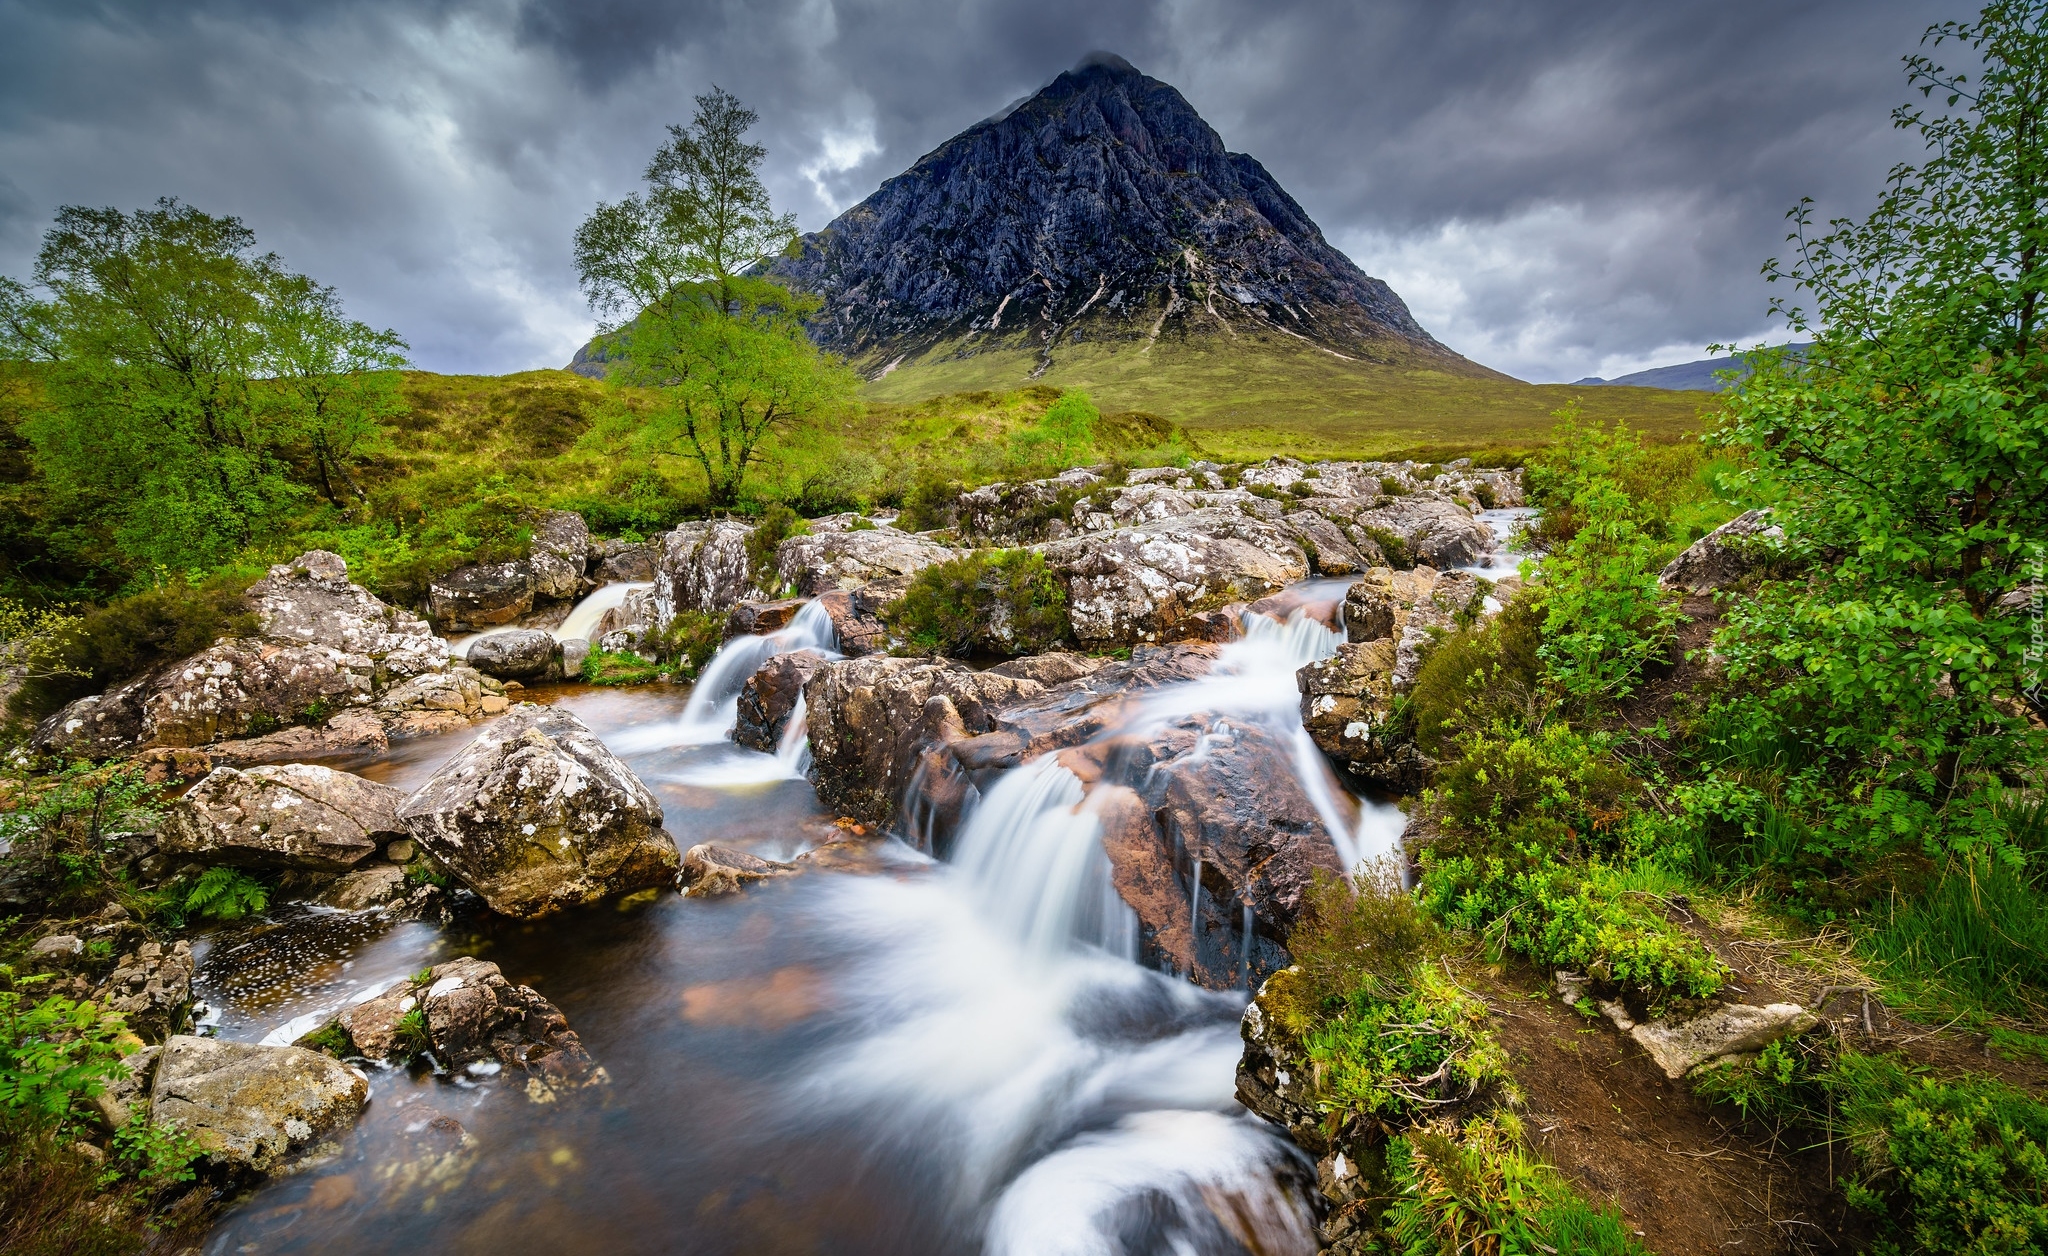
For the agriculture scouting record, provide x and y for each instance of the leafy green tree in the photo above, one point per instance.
(1908, 450)
(335, 380)
(725, 346)
(180, 365)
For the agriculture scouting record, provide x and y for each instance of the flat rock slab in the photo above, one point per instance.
(1679, 1047)
(254, 1108)
(536, 815)
(711, 871)
(295, 816)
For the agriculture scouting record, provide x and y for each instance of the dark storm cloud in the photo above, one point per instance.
(1557, 188)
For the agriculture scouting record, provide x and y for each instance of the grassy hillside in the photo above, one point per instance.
(1249, 396)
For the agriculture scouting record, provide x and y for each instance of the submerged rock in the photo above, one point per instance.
(294, 816)
(254, 1108)
(710, 871)
(537, 814)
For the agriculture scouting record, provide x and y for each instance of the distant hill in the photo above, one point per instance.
(1684, 377)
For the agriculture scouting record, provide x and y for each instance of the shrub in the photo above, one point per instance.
(604, 667)
(932, 503)
(1505, 776)
(1005, 600)
(60, 831)
(690, 640)
(56, 1202)
(224, 893)
(1605, 615)
(1481, 676)
(1392, 545)
(106, 645)
(777, 524)
(56, 1051)
(1477, 1190)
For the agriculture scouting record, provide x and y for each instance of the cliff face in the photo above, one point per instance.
(1102, 207)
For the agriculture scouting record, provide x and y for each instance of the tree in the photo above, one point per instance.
(725, 345)
(1908, 450)
(335, 379)
(178, 366)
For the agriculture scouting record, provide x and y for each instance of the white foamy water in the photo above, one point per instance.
(580, 624)
(1504, 559)
(715, 699)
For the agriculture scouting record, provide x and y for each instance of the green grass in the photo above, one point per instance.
(1976, 939)
(1257, 395)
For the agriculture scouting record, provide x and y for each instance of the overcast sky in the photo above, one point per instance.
(1557, 189)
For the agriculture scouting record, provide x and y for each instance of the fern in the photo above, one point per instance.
(225, 893)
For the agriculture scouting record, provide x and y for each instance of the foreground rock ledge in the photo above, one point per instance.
(537, 814)
(293, 816)
(254, 1108)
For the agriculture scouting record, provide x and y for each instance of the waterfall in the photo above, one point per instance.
(714, 703)
(1033, 853)
(793, 752)
(583, 616)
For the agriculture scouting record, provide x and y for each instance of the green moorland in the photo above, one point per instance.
(1839, 760)
(1248, 395)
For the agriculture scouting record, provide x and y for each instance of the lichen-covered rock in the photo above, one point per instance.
(1347, 706)
(627, 562)
(1437, 531)
(1144, 583)
(857, 615)
(1455, 596)
(471, 1014)
(1018, 512)
(481, 595)
(351, 732)
(1744, 544)
(367, 887)
(1330, 552)
(559, 552)
(704, 568)
(537, 814)
(294, 816)
(758, 619)
(821, 562)
(310, 601)
(151, 988)
(253, 1108)
(629, 626)
(771, 697)
(523, 654)
(1679, 1047)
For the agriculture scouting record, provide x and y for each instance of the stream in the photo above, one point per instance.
(918, 1057)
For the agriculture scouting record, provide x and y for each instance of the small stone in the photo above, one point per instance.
(494, 703)
(1679, 1047)
(400, 851)
(58, 946)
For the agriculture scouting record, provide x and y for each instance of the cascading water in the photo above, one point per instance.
(793, 752)
(714, 701)
(584, 616)
(1033, 852)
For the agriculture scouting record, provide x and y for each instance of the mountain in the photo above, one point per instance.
(1102, 211)
(1684, 377)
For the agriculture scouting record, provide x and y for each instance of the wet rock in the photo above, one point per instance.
(151, 988)
(293, 816)
(1347, 706)
(1330, 552)
(1055, 668)
(630, 626)
(770, 697)
(1679, 1047)
(365, 888)
(711, 871)
(1437, 531)
(1455, 596)
(1273, 1075)
(352, 732)
(704, 568)
(480, 596)
(436, 702)
(471, 1015)
(559, 553)
(525, 654)
(856, 615)
(1144, 583)
(1075, 711)
(163, 765)
(254, 1108)
(825, 561)
(1745, 544)
(537, 814)
(758, 619)
(626, 562)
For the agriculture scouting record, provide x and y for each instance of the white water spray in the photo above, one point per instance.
(715, 701)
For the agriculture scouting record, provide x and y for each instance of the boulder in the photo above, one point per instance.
(1132, 504)
(436, 702)
(293, 816)
(1330, 552)
(821, 562)
(253, 1108)
(127, 1096)
(1024, 511)
(365, 888)
(151, 988)
(704, 568)
(771, 696)
(1745, 544)
(309, 601)
(1144, 583)
(1437, 531)
(711, 871)
(758, 619)
(1378, 605)
(481, 595)
(523, 654)
(1055, 668)
(1455, 596)
(857, 615)
(537, 814)
(560, 550)
(352, 732)
(1347, 703)
(472, 1015)
(1679, 1047)
(630, 626)
(626, 562)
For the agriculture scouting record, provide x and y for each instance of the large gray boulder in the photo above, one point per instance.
(1745, 544)
(521, 654)
(536, 815)
(294, 816)
(704, 568)
(558, 554)
(1437, 531)
(481, 595)
(1027, 511)
(1145, 583)
(822, 562)
(253, 1108)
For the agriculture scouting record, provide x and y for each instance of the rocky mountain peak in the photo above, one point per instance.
(1101, 207)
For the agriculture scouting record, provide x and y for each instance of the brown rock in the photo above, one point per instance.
(472, 1014)
(254, 1108)
(758, 619)
(293, 816)
(770, 698)
(711, 871)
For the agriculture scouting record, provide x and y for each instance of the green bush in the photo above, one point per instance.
(60, 831)
(108, 644)
(1978, 934)
(1392, 545)
(1001, 600)
(603, 667)
(1605, 615)
(1481, 676)
(777, 524)
(1478, 1190)
(932, 503)
(1504, 776)
(690, 640)
(55, 1052)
